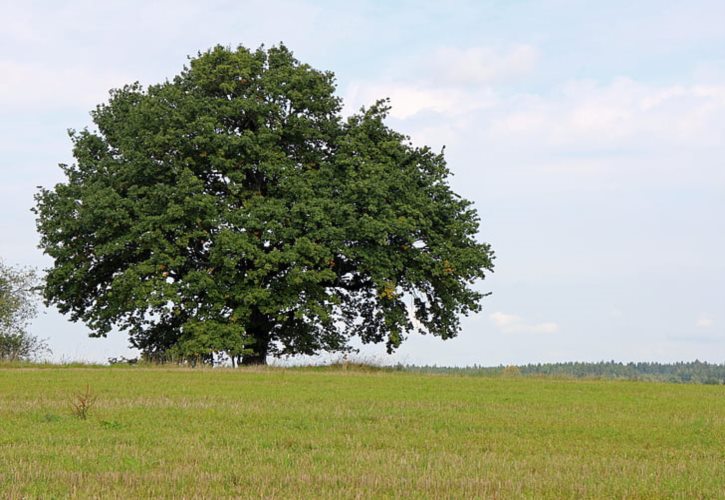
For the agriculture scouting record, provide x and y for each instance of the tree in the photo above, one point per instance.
(233, 210)
(18, 306)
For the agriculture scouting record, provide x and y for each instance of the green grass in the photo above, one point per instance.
(174, 432)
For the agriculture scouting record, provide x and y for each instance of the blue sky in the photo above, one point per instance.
(590, 136)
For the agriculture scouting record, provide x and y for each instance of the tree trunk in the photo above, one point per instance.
(256, 358)
(258, 329)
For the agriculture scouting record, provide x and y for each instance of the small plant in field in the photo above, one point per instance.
(82, 402)
(111, 424)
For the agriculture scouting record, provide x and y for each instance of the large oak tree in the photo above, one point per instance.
(233, 210)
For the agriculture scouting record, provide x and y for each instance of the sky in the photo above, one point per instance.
(589, 135)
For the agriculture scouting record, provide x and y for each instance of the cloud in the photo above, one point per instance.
(447, 81)
(465, 89)
(410, 99)
(568, 136)
(480, 65)
(698, 339)
(509, 323)
(622, 113)
(704, 322)
(67, 55)
(34, 86)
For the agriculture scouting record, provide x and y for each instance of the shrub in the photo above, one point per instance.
(18, 306)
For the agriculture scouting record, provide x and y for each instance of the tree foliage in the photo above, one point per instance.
(233, 209)
(18, 306)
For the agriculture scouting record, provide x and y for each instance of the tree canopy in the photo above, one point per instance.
(233, 210)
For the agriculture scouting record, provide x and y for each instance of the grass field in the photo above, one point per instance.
(174, 432)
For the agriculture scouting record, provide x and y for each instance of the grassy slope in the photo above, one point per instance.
(293, 433)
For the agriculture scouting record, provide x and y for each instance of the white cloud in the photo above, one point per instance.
(448, 81)
(623, 113)
(510, 323)
(69, 54)
(456, 95)
(575, 135)
(704, 322)
(409, 99)
(479, 65)
(34, 86)
(616, 313)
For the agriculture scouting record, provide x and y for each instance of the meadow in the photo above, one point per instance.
(357, 432)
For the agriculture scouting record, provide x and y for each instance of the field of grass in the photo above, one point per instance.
(175, 432)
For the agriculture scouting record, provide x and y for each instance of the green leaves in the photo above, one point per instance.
(18, 306)
(232, 209)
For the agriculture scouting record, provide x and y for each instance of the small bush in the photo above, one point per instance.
(81, 403)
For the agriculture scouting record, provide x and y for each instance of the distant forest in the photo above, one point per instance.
(697, 372)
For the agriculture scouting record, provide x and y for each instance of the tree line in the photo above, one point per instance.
(700, 372)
